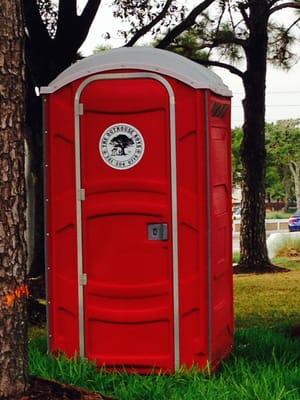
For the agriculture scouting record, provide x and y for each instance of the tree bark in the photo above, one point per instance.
(254, 255)
(13, 289)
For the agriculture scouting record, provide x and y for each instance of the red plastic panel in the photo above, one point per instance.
(128, 302)
(221, 229)
(192, 219)
(61, 223)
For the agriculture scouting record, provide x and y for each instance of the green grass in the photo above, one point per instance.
(278, 215)
(236, 257)
(290, 263)
(265, 363)
(269, 300)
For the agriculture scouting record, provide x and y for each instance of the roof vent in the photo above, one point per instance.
(219, 110)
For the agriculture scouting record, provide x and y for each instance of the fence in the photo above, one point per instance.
(272, 225)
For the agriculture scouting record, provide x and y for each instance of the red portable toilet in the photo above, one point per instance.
(138, 221)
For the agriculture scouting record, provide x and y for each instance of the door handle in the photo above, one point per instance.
(158, 232)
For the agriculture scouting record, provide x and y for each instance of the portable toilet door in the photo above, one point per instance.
(113, 118)
(127, 217)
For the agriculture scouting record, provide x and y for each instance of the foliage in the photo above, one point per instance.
(140, 13)
(283, 147)
(278, 214)
(236, 135)
(49, 15)
(274, 182)
(101, 47)
(283, 141)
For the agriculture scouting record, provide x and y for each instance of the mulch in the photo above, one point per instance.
(44, 389)
(294, 331)
(267, 269)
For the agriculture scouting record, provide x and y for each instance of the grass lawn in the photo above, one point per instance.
(270, 300)
(279, 214)
(265, 364)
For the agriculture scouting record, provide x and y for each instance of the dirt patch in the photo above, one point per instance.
(290, 252)
(43, 389)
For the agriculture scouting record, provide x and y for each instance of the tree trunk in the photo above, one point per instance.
(286, 180)
(34, 138)
(46, 57)
(295, 169)
(13, 289)
(254, 255)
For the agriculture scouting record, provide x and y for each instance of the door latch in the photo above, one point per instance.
(157, 232)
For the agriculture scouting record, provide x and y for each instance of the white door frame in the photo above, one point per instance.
(78, 113)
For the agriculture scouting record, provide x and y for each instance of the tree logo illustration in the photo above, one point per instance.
(121, 146)
(120, 143)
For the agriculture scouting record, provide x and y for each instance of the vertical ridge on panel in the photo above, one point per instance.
(220, 147)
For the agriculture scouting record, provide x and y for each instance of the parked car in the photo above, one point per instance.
(294, 222)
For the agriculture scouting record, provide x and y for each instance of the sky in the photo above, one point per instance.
(282, 88)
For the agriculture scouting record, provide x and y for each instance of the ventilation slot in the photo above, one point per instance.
(219, 110)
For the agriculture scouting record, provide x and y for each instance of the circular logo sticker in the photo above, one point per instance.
(121, 146)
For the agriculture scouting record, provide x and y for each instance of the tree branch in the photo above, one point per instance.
(293, 24)
(147, 28)
(218, 25)
(293, 168)
(37, 30)
(229, 67)
(185, 24)
(90, 10)
(291, 4)
(67, 8)
(230, 40)
(242, 8)
(86, 18)
(272, 2)
(67, 15)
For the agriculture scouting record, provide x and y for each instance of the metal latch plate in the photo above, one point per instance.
(83, 279)
(157, 232)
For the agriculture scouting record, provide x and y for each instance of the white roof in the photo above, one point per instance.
(142, 58)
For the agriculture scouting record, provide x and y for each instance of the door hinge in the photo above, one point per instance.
(79, 109)
(83, 279)
(82, 194)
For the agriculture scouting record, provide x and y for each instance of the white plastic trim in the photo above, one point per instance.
(144, 59)
(170, 92)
